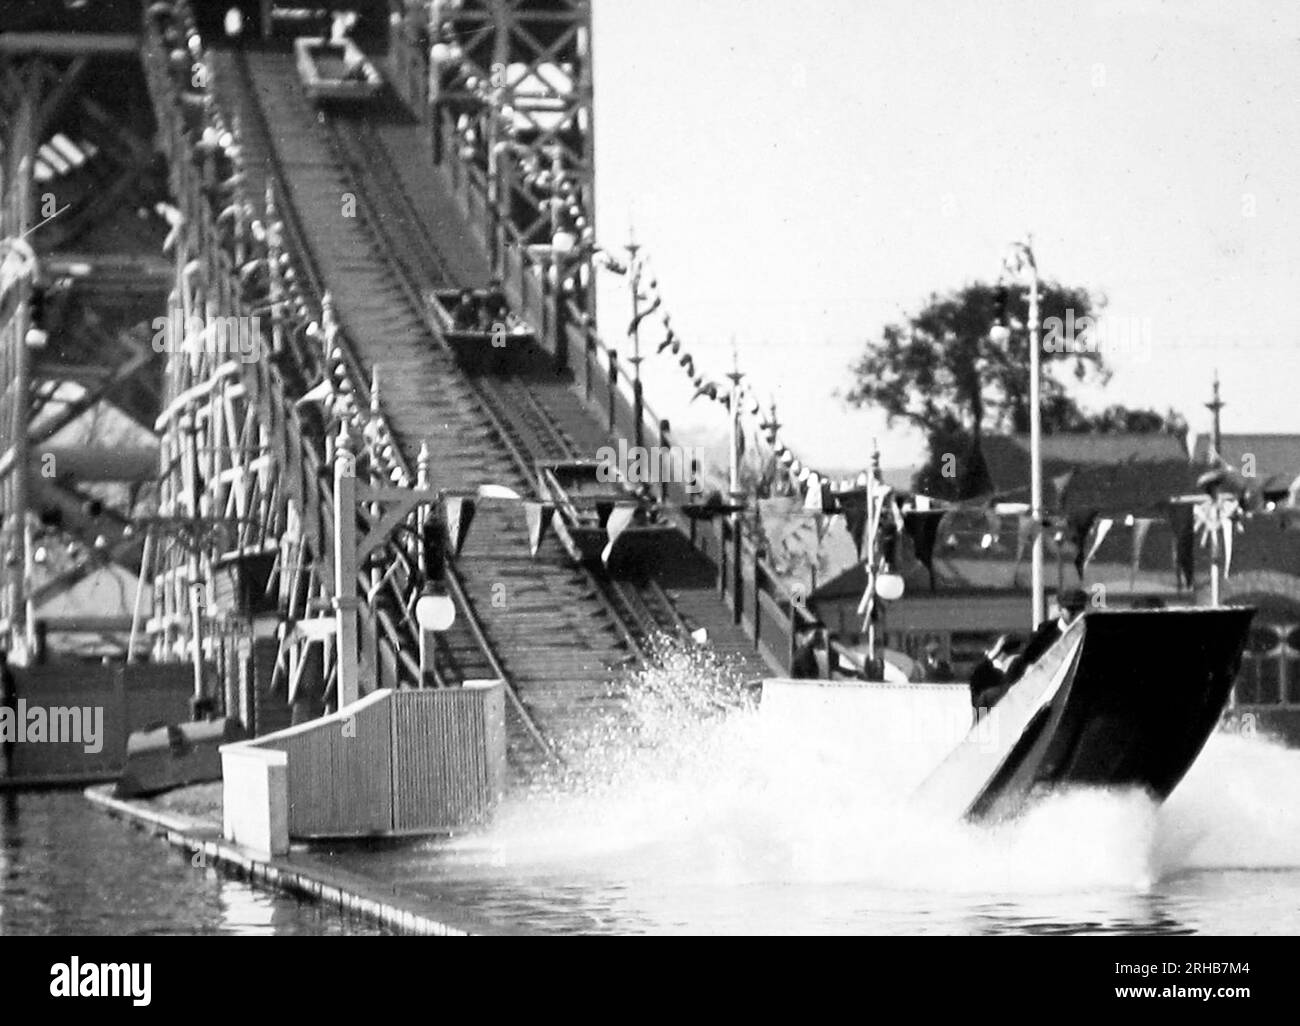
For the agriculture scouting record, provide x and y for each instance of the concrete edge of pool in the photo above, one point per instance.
(350, 893)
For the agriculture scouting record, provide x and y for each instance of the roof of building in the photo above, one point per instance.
(1272, 455)
(1119, 473)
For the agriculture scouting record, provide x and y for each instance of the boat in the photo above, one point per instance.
(604, 522)
(1123, 698)
(497, 349)
(165, 756)
(336, 70)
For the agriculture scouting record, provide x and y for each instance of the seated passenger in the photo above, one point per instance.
(494, 308)
(465, 317)
(355, 71)
(1069, 604)
(988, 681)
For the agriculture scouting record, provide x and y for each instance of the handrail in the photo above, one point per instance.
(166, 94)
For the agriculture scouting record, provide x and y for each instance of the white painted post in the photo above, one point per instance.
(346, 603)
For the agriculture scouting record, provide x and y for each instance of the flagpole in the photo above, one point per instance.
(873, 476)
(1035, 442)
(1019, 259)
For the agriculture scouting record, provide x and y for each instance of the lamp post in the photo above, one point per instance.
(1021, 261)
(634, 278)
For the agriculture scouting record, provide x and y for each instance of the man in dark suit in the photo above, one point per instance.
(988, 681)
(1069, 604)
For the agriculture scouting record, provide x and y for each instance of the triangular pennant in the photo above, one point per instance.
(458, 513)
(812, 502)
(854, 508)
(603, 510)
(619, 520)
(922, 526)
(1078, 527)
(1182, 519)
(316, 395)
(992, 528)
(1227, 526)
(1061, 482)
(1141, 525)
(1099, 535)
(1026, 530)
(538, 515)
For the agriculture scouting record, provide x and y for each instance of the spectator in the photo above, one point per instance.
(934, 668)
(811, 657)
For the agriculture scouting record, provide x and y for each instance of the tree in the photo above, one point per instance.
(941, 372)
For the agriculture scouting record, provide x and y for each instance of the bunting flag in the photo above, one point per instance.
(1231, 524)
(1141, 525)
(992, 529)
(814, 500)
(922, 527)
(1100, 531)
(538, 515)
(458, 513)
(636, 321)
(603, 509)
(1026, 531)
(854, 508)
(619, 521)
(319, 394)
(1061, 482)
(1078, 527)
(1182, 521)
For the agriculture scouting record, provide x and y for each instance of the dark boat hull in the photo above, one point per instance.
(1124, 699)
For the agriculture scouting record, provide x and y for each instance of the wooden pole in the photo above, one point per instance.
(145, 558)
(1038, 605)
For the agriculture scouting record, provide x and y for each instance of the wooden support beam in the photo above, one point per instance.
(66, 85)
(97, 463)
(70, 44)
(85, 624)
(116, 266)
(122, 374)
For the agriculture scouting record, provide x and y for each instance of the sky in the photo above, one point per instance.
(802, 174)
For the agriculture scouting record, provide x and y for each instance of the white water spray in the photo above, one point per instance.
(694, 793)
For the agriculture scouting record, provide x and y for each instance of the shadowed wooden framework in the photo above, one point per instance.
(79, 380)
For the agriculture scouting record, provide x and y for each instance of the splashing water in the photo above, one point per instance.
(692, 811)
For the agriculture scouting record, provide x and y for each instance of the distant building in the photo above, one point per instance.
(977, 585)
(1267, 459)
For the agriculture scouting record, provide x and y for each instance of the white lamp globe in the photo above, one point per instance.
(435, 612)
(889, 587)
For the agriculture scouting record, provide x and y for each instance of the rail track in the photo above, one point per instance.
(561, 633)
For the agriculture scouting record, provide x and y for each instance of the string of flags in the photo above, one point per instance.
(638, 268)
